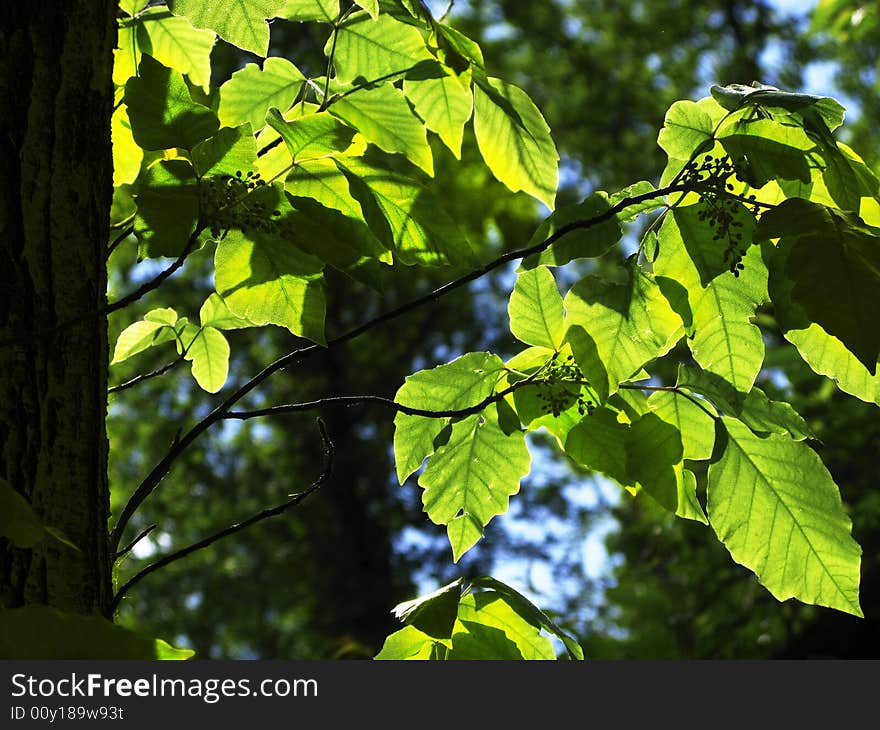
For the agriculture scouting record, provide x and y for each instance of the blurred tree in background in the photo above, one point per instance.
(320, 582)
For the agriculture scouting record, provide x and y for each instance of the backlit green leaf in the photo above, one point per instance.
(697, 428)
(487, 614)
(444, 102)
(717, 317)
(208, 350)
(408, 216)
(240, 22)
(382, 114)
(833, 261)
(582, 241)
(599, 442)
(142, 335)
(174, 42)
(304, 10)
(514, 139)
(535, 309)
(374, 48)
(215, 313)
(267, 280)
(686, 128)
(775, 507)
(629, 324)
(161, 111)
(167, 197)
(408, 643)
(250, 93)
(232, 151)
(311, 137)
(473, 474)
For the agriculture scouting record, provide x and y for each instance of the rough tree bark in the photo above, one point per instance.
(56, 100)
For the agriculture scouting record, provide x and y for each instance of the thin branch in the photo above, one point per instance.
(349, 400)
(446, 12)
(265, 514)
(156, 281)
(671, 389)
(152, 480)
(146, 376)
(119, 239)
(141, 535)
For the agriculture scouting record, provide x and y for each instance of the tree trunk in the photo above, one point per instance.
(56, 100)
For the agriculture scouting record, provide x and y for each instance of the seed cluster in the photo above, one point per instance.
(229, 201)
(560, 385)
(711, 179)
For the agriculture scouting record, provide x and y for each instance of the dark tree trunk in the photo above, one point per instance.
(56, 99)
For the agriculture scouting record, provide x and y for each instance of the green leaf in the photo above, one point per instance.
(408, 643)
(828, 356)
(697, 428)
(737, 96)
(311, 137)
(167, 197)
(381, 113)
(434, 613)
(41, 632)
(154, 329)
(629, 324)
(375, 47)
(371, 6)
(325, 11)
(581, 241)
(267, 280)
(460, 44)
(174, 42)
(161, 111)
(474, 641)
(252, 91)
(444, 102)
(530, 613)
(833, 261)
(686, 128)
(473, 474)
(535, 308)
(215, 313)
(755, 409)
(208, 350)
(763, 150)
(464, 382)
(408, 216)
(514, 139)
(232, 151)
(717, 317)
(492, 626)
(598, 443)
(241, 23)
(127, 156)
(654, 459)
(775, 507)
(631, 212)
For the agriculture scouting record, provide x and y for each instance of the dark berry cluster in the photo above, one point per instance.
(711, 179)
(560, 386)
(229, 201)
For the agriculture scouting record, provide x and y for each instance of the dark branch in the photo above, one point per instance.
(294, 500)
(151, 481)
(146, 376)
(349, 400)
(141, 535)
(157, 280)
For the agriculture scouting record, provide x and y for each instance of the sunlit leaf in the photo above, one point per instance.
(241, 23)
(514, 139)
(252, 91)
(775, 507)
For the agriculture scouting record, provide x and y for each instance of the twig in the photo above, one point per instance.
(141, 535)
(156, 281)
(146, 376)
(151, 481)
(265, 514)
(119, 239)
